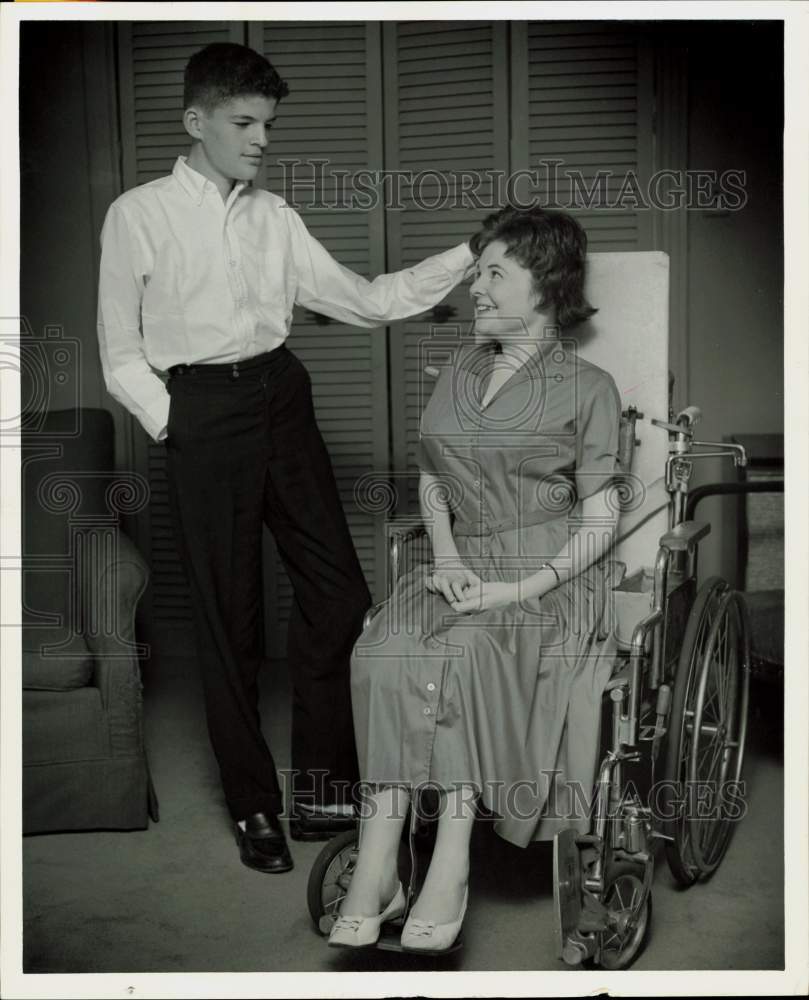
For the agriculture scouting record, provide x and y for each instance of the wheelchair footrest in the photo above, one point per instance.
(593, 915)
(390, 940)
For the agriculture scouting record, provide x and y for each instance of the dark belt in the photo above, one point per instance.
(233, 369)
(526, 520)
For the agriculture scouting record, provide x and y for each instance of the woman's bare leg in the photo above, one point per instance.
(442, 893)
(375, 877)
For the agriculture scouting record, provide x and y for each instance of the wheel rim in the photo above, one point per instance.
(628, 905)
(717, 727)
(682, 829)
(337, 878)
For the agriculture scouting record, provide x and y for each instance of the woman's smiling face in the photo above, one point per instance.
(504, 297)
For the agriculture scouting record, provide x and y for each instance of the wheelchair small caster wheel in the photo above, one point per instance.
(331, 874)
(629, 914)
(329, 879)
(573, 953)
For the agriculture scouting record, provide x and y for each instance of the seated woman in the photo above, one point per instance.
(484, 679)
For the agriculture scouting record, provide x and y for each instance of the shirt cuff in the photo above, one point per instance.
(156, 419)
(459, 258)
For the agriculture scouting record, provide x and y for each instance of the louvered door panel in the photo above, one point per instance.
(582, 105)
(152, 56)
(446, 125)
(333, 114)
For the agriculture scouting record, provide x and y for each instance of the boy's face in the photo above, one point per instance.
(233, 137)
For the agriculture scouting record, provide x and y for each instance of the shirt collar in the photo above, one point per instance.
(193, 182)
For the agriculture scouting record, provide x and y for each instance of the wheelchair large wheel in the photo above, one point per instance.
(707, 733)
(629, 908)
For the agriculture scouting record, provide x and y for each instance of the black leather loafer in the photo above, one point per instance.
(262, 844)
(308, 824)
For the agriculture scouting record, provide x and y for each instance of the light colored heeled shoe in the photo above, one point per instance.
(362, 932)
(426, 935)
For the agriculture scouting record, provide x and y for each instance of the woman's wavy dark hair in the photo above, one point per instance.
(553, 247)
(224, 70)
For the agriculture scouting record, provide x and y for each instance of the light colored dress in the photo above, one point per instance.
(507, 700)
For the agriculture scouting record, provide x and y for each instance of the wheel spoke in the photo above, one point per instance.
(727, 686)
(709, 750)
(712, 699)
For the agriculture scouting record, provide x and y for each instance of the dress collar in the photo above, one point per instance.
(477, 357)
(476, 360)
(194, 184)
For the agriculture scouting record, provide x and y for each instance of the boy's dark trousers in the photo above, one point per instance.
(243, 450)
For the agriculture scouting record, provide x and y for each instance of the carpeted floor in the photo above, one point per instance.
(175, 898)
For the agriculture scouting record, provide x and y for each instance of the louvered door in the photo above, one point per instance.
(464, 104)
(582, 106)
(152, 57)
(446, 126)
(330, 125)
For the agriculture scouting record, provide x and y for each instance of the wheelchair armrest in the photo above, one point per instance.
(398, 535)
(371, 613)
(731, 489)
(685, 536)
(405, 532)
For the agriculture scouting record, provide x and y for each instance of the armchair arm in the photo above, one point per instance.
(114, 579)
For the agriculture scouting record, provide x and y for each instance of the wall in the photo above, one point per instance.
(735, 268)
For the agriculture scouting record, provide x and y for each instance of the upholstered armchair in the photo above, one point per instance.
(84, 761)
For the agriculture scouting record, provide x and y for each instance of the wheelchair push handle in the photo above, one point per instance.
(683, 443)
(684, 423)
(690, 416)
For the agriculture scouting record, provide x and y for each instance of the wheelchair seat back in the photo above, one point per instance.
(629, 338)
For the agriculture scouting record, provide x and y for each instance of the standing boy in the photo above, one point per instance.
(199, 275)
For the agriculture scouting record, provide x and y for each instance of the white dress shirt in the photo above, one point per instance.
(189, 278)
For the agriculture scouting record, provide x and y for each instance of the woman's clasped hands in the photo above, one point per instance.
(465, 592)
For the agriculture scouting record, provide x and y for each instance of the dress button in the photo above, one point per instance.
(431, 686)
(428, 711)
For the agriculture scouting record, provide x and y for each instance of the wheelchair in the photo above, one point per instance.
(677, 697)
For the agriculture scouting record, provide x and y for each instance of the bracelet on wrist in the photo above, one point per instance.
(547, 565)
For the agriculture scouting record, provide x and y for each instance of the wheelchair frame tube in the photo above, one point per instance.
(660, 584)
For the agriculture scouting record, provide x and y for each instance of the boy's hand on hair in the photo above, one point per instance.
(451, 581)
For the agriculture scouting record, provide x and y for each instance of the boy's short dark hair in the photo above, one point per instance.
(224, 70)
(553, 247)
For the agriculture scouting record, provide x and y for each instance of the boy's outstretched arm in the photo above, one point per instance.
(325, 286)
(127, 373)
